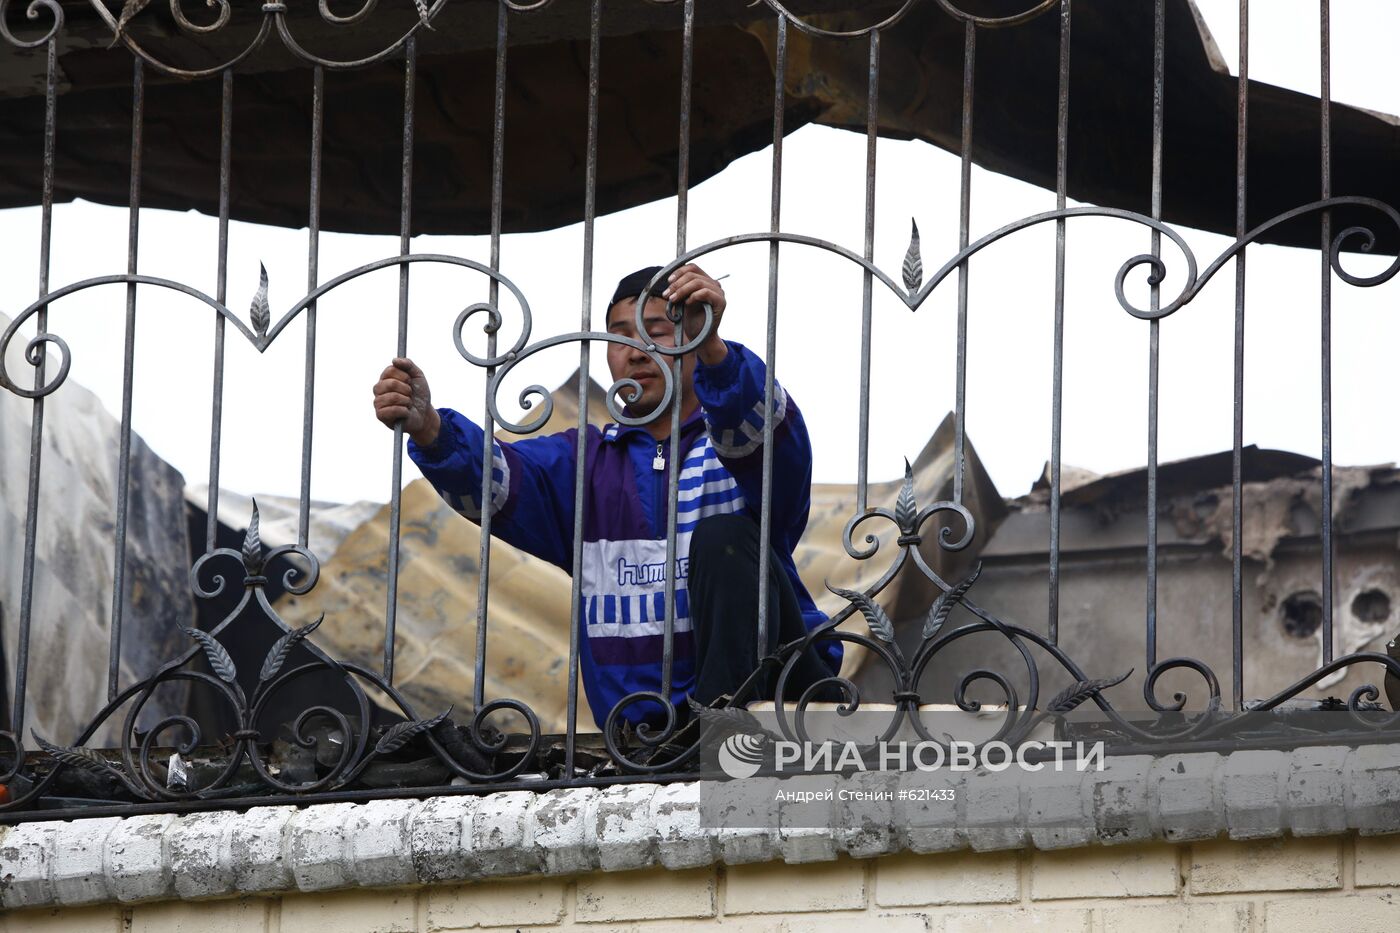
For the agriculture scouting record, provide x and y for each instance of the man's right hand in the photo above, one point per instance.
(402, 395)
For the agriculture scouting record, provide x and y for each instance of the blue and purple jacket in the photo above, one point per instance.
(622, 591)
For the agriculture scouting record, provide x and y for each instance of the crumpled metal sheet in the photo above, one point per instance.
(1014, 133)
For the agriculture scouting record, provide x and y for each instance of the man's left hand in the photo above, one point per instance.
(692, 287)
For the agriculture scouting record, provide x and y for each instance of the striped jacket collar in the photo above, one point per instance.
(613, 432)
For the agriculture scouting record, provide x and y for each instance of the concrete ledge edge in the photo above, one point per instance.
(388, 843)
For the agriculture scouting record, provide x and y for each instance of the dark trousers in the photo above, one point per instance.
(723, 585)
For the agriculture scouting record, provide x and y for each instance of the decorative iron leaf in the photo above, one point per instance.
(422, 8)
(913, 264)
(938, 612)
(728, 718)
(905, 508)
(399, 734)
(84, 758)
(219, 660)
(1076, 693)
(277, 654)
(260, 313)
(129, 9)
(880, 625)
(252, 545)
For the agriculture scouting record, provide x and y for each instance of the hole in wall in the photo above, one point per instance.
(1371, 605)
(1301, 614)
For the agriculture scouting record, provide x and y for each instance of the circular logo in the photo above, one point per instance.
(741, 755)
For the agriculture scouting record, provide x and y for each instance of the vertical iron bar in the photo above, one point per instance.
(765, 516)
(872, 127)
(1237, 444)
(964, 222)
(313, 258)
(36, 426)
(668, 635)
(1326, 101)
(668, 632)
(405, 221)
(586, 322)
(1057, 367)
(1154, 336)
(216, 415)
(683, 159)
(488, 424)
(138, 89)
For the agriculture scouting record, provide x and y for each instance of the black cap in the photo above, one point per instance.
(632, 285)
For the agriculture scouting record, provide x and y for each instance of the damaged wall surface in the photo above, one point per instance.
(1103, 591)
(74, 548)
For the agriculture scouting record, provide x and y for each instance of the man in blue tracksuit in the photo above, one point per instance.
(627, 469)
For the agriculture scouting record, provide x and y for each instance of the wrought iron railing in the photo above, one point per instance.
(142, 774)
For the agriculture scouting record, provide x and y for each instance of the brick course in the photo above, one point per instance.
(1257, 842)
(1259, 886)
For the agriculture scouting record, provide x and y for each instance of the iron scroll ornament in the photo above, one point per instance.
(1037, 8)
(1020, 718)
(916, 291)
(32, 12)
(1022, 714)
(138, 773)
(274, 18)
(260, 331)
(273, 14)
(913, 294)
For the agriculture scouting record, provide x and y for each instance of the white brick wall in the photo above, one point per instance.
(777, 888)
(1220, 886)
(1246, 843)
(1194, 917)
(642, 895)
(948, 878)
(1270, 865)
(1262, 797)
(1117, 872)
(526, 902)
(1308, 915)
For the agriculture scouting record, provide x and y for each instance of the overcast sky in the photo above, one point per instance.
(1011, 311)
